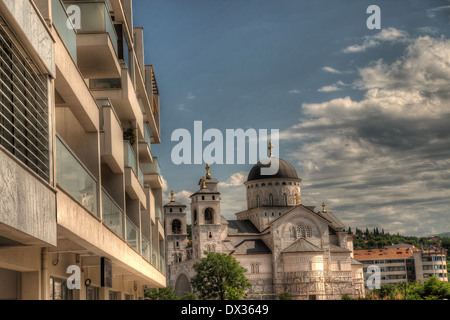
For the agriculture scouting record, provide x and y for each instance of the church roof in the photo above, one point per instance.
(285, 171)
(252, 247)
(227, 245)
(335, 222)
(175, 204)
(354, 262)
(335, 248)
(302, 245)
(236, 227)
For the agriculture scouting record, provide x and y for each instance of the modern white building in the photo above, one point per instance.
(79, 185)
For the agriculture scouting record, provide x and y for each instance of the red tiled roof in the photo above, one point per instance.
(375, 254)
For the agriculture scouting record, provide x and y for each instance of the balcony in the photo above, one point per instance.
(122, 95)
(110, 133)
(152, 173)
(145, 154)
(97, 45)
(74, 178)
(133, 235)
(133, 175)
(112, 215)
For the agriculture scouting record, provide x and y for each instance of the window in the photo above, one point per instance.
(214, 197)
(59, 290)
(92, 293)
(176, 226)
(285, 199)
(114, 295)
(24, 127)
(270, 200)
(195, 217)
(258, 201)
(209, 216)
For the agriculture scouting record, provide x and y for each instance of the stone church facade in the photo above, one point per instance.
(284, 245)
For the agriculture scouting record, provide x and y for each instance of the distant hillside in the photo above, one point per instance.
(443, 235)
(378, 240)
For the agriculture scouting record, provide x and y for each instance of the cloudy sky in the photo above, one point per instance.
(364, 115)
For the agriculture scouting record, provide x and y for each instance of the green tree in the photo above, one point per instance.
(161, 294)
(220, 277)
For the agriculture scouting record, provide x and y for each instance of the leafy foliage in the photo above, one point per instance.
(431, 289)
(220, 277)
(161, 294)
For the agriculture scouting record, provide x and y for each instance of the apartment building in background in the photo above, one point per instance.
(403, 262)
(80, 188)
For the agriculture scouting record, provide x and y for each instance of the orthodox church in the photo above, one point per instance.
(285, 246)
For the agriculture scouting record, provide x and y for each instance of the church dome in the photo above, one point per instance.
(285, 171)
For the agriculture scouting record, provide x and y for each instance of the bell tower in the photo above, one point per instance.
(175, 231)
(206, 219)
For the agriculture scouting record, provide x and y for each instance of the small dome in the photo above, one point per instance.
(285, 171)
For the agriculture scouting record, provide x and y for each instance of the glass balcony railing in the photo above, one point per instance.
(74, 178)
(95, 18)
(112, 214)
(162, 265)
(151, 168)
(130, 156)
(132, 235)
(146, 249)
(147, 134)
(154, 261)
(66, 30)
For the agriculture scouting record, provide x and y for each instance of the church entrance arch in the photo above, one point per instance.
(182, 285)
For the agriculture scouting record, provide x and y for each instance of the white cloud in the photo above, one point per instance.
(383, 160)
(190, 96)
(295, 91)
(331, 70)
(385, 35)
(338, 86)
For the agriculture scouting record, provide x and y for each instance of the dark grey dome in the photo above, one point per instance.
(285, 171)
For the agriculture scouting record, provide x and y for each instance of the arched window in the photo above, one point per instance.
(209, 216)
(301, 232)
(271, 200)
(258, 201)
(195, 217)
(308, 232)
(285, 199)
(176, 226)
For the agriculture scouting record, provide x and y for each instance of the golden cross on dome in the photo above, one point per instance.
(270, 149)
(172, 194)
(297, 198)
(204, 183)
(324, 207)
(208, 175)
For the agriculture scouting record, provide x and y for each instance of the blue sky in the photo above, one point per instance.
(361, 112)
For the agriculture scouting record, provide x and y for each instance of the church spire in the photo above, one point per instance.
(203, 183)
(172, 194)
(324, 207)
(208, 175)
